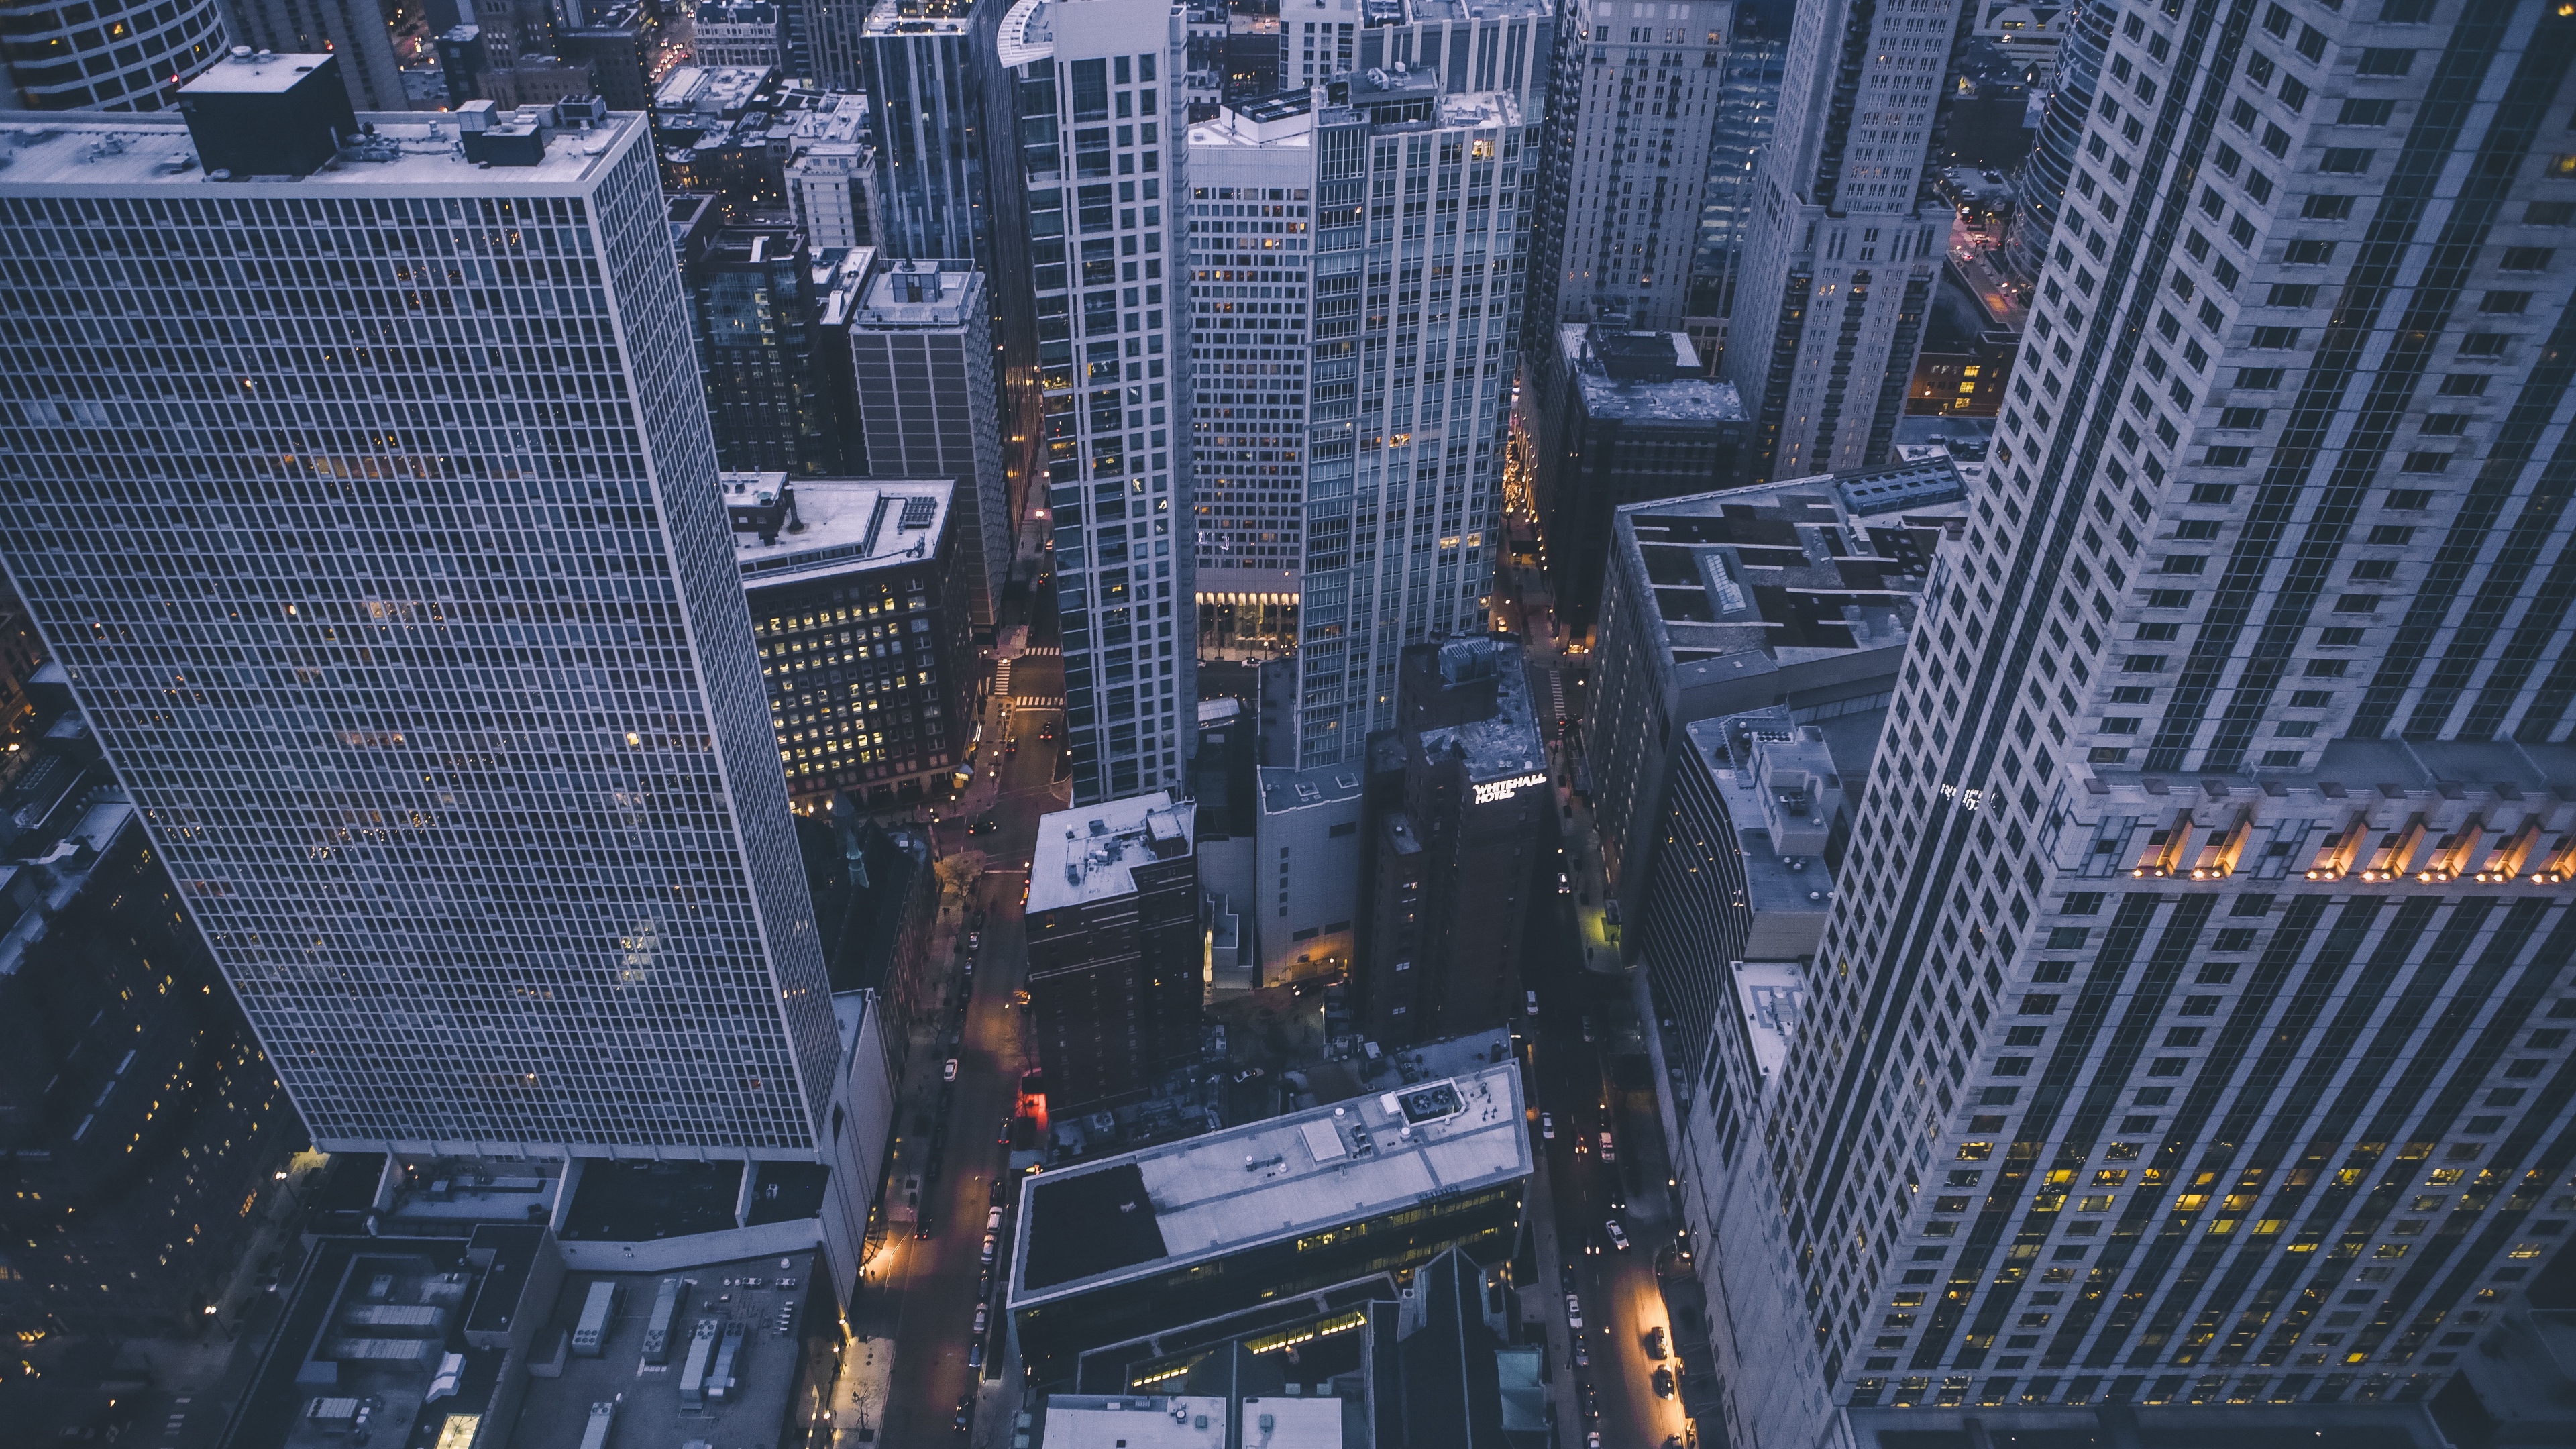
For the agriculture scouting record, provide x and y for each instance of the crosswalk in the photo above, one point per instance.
(1556, 690)
(1042, 651)
(1038, 701)
(1002, 679)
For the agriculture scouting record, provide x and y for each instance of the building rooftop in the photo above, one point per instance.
(920, 17)
(1286, 119)
(755, 1295)
(1772, 997)
(1091, 853)
(920, 294)
(823, 527)
(1283, 789)
(1027, 34)
(2168, 1426)
(1757, 578)
(1497, 744)
(1091, 1421)
(1644, 377)
(1782, 792)
(715, 90)
(83, 151)
(1206, 1197)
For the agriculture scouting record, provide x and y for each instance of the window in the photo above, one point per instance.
(2039, 1003)
(2345, 160)
(2274, 339)
(2169, 598)
(2445, 425)
(2313, 253)
(2358, 604)
(2012, 1066)
(2297, 729)
(2184, 1036)
(2119, 724)
(2505, 304)
(2217, 495)
(2228, 457)
(2167, 1066)
(2406, 12)
(2243, 116)
(2484, 344)
(2409, 500)
(2241, 419)
(2067, 938)
(2132, 694)
(2334, 638)
(2325, 669)
(2427, 463)
(2525, 259)
(2549, 213)
(2276, 20)
(2143, 664)
(2201, 529)
(2366, 113)
(2259, 379)
(2326, 208)
(2377, 61)
(2081, 903)
(2292, 294)
(2106, 755)
(2199, 1005)
(2310, 699)
(2155, 633)
(2465, 384)
(2311, 44)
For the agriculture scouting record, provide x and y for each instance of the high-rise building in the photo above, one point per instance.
(2193, 1019)
(1506, 45)
(1104, 157)
(1846, 237)
(862, 631)
(930, 406)
(1631, 114)
(1376, 479)
(770, 391)
(1451, 856)
(1621, 417)
(359, 32)
(1748, 110)
(1117, 957)
(459, 758)
(66, 55)
(831, 176)
(739, 32)
(2039, 187)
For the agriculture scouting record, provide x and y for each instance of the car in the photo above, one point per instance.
(1530, 998)
(978, 922)
(1582, 1143)
(1592, 1440)
(1663, 1382)
(993, 1219)
(1618, 1235)
(1565, 1278)
(1573, 1311)
(974, 942)
(1609, 1150)
(965, 1412)
(983, 1317)
(1591, 1399)
(948, 1070)
(1547, 1126)
(975, 1354)
(984, 1284)
(1048, 733)
(1564, 884)
(1011, 747)
(1582, 1355)
(921, 1226)
(988, 1250)
(1592, 1245)
(1655, 1343)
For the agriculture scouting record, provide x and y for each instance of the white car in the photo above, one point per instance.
(948, 1070)
(983, 1316)
(1609, 1149)
(993, 1221)
(1532, 998)
(1618, 1235)
(988, 1250)
(1592, 1440)
(1547, 1126)
(1573, 1311)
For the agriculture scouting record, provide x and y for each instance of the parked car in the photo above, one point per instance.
(975, 1354)
(948, 1070)
(1564, 884)
(1618, 1236)
(1655, 1342)
(993, 1220)
(1547, 1125)
(921, 1226)
(1531, 997)
(1663, 1382)
(988, 1250)
(1582, 1355)
(983, 1317)
(965, 1412)
(974, 942)
(1573, 1311)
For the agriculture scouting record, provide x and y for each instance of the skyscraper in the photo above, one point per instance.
(2192, 1021)
(2039, 187)
(1748, 109)
(1101, 125)
(63, 55)
(1630, 119)
(357, 31)
(387, 561)
(1846, 237)
(770, 392)
(1116, 955)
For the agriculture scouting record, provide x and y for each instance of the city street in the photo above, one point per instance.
(922, 1292)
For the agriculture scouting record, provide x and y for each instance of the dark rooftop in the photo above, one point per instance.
(639, 1201)
(1092, 1222)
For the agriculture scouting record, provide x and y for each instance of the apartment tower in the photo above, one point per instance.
(1102, 116)
(2192, 1022)
(386, 558)
(1844, 235)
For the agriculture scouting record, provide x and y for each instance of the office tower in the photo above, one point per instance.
(739, 32)
(137, 1117)
(1252, 175)
(1748, 110)
(1104, 156)
(770, 390)
(929, 406)
(1631, 114)
(862, 631)
(1450, 865)
(1621, 417)
(468, 790)
(1508, 45)
(1386, 506)
(1116, 953)
(357, 31)
(620, 41)
(831, 176)
(1306, 862)
(2201, 945)
(1111, 1250)
(62, 55)
(2039, 187)
(1798, 595)
(1846, 241)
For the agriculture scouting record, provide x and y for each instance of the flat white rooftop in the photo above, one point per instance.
(1134, 1421)
(849, 527)
(81, 151)
(1091, 854)
(1151, 1211)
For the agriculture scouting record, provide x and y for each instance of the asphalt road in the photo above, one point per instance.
(934, 1282)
